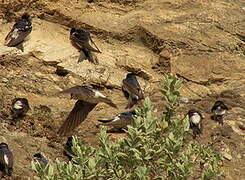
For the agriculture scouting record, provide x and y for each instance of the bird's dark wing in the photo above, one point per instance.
(132, 85)
(76, 116)
(77, 40)
(9, 161)
(18, 33)
(81, 34)
(26, 107)
(125, 93)
(90, 48)
(94, 44)
(132, 100)
(2, 161)
(224, 107)
(213, 108)
(78, 90)
(86, 54)
(129, 114)
(89, 95)
(15, 37)
(109, 102)
(81, 41)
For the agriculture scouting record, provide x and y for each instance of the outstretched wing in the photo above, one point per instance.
(109, 102)
(78, 90)
(89, 95)
(78, 114)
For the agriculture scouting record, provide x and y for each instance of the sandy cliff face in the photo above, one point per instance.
(203, 42)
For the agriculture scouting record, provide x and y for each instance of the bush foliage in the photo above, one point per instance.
(153, 148)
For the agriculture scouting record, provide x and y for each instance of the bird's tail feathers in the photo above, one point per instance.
(81, 57)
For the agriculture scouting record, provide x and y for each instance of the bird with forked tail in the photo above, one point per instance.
(87, 98)
(21, 29)
(132, 90)
(81, 40)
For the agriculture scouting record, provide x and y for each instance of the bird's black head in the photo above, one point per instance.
(24, 101)
(191, 112)
(79, 32)
(218, 103)
(25, 16)
(82, 31)
(133, 112)
(3, 145)
(38, 155)
(131, 75)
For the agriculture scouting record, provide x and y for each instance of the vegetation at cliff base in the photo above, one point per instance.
(153, 148)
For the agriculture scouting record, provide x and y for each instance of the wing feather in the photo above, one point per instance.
(78, 90)
(133, 86)
(78, 114)
(81, 40)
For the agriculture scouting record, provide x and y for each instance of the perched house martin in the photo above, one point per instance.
(132, 90)
(38, 157)
(81, 40)
(120, 121)
(20, 107)
(195, 119)
(219, 109)
(6, 160)
(87, 98)
(21, 29)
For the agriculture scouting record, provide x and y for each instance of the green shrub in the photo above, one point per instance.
(153, 148)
